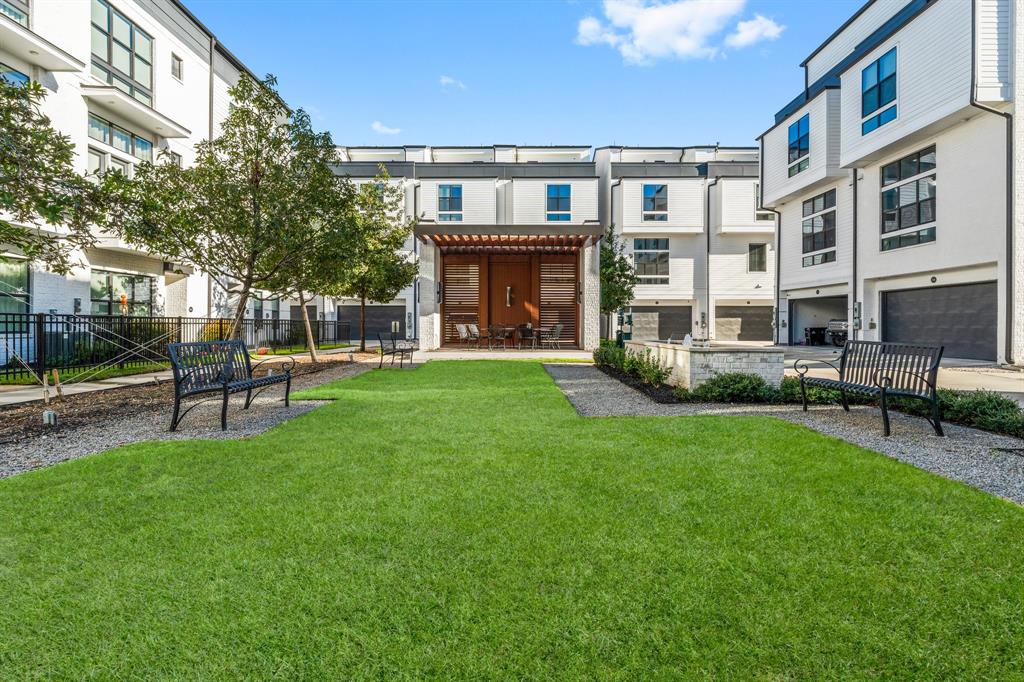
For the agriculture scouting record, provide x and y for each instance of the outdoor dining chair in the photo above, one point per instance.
(552, 337)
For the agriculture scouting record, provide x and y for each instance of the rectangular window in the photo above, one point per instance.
(176, 66)
(257, 309)
(15, 9)
(757, 258)
(799, 144)
(449, 203)
(120, 139)
(877, 92)
(174, 158)
(13, 292)
(909, 239)
(12, 76)
(819, 228)
(651, 260)
(113, 293)
(758, 213)
(655, 203)
(908, 195)
(559, 203)
(97, 161)
(122, 54)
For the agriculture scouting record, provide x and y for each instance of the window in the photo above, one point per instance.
(449, 203)
(12, 76)
(655, 203)
(13, 290)
(176, 66)
(97, 161)
(799, 144)
(559, 202)
(758, 213)
(908, 191)
(122, 54)
(819, 228)
(174, 158)
(114, 293)
(257, 308)
(909, 239)
(877, 90)
(123, 140)
(15, 9)
(650, 260)
(757, 258)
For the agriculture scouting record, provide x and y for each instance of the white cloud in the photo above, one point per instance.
(754, 31)
(449, 82)
(379, 127)
(644, 31)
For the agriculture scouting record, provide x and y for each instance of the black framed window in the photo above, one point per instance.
(119, 138)
(14, 294)
(877, 92)
(819, 258)
(655, 206)
(15, 9)
(122, 54)
(12, 76)
(819, 227)
(757, 258)
(909, 239)
(114, 293)
(651, 260)
(559, 202)
(799, 144)
(449, 203)
(908, 192)
(758, 213)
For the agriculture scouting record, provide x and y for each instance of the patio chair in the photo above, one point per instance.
(552, 337)
(476, 335)
(464, 335)
(499, 334)
(527, 336)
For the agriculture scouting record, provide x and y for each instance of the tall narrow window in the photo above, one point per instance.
(655, 203)
(819, 229)
(877, 92)
(122, 54)
(449, 203)
(559, 202)
(758, 213)
(176, 66)
(799, 144)
(908, 200)
(651, 260)
(13, 287)
(757, 258)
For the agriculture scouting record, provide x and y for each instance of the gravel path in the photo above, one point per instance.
(974, 457)
(149, 423)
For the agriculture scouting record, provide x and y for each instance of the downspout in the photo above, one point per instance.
(611, 222)
(707, 257)
(1008, 340)
(416, 254)
(209, 136)
(778, 249)
(853, 289)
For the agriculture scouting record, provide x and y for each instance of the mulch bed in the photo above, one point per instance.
(25, 420)
(660, 394)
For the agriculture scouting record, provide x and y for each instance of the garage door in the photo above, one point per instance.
(743, 323)
(673, 321)
(378, 319)
(962, 318)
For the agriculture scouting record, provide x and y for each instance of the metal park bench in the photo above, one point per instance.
(221, 367)
(885, 370)
(394, 348)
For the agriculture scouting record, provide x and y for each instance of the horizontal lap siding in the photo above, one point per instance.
(529, 200)
(685, 204)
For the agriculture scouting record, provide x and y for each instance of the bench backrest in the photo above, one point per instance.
(910, 367)
(203, 364)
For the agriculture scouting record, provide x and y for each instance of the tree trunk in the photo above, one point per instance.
(310, 341)
(362, 323)
(236, 322)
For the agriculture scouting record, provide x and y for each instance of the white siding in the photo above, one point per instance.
(993, 49)
(933, 79)
(529, 200)
(823, 161)
(733, 207)
(479, 200)
(728, 270)
(861, 27)
(687, 254)
(793, 274)
(685, 205)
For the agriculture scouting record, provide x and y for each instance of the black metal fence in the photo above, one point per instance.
(35, 343)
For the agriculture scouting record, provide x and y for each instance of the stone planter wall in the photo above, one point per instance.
(692, 366)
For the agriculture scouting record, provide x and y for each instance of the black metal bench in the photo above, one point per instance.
(222, 367)
(394, 348)
(885, 370)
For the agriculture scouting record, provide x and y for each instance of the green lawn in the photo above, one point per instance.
(461, 521)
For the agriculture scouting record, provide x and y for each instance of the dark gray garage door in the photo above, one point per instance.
(962, 318)
(674, 321)
(743, 323)
(378, 319)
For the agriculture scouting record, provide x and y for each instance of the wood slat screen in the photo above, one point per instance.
(558, 297)
(461, 297)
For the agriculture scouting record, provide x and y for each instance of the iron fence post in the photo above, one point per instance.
(41, 344)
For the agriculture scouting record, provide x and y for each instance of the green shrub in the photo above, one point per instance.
(610, 356)
(980, 409)
(648, 368)
(732, 387)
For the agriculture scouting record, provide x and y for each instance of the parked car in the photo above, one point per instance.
(837, 332)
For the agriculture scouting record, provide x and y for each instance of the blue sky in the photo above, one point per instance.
(544, 72)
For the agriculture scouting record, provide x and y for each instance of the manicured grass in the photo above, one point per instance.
(89, 374)
(302, 350)
(460, 520)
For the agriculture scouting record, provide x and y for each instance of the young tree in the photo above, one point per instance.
(378, 269)
(618, 277)
(50, 209)
(239, 213)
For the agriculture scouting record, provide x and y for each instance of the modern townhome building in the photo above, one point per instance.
(896, 174)
(507, 235)
(703, 251)
(127, 81)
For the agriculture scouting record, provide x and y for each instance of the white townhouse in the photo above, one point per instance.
(507, 235)
(126, 80)
(702, 250)
(898, 178)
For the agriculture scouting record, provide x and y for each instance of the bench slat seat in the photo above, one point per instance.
(222, 367)
(882, 369)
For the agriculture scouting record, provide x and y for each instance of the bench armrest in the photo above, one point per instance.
(801, 366)
(288, 364)
(885, 380)
(189, 372)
